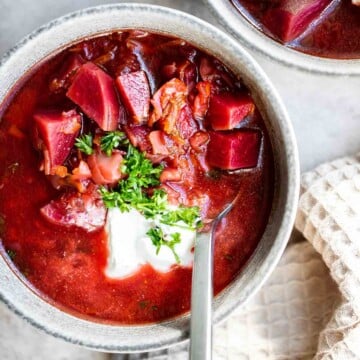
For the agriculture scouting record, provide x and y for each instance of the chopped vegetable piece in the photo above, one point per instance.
(199, 140)
(167, 103)
(58, 131)
(158, 142)
(94, 91)
(112, 140)
(106, 169)
(201, 102)
(84, 143)
(85, 210)
(135, 94)
(81, 172)
(185, 123)
(226, 110)
(138, 136)
(291, 18)
(233, 150)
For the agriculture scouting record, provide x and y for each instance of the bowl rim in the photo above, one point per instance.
(254, 39)
(105, 19)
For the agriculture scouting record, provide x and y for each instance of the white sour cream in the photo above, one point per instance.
(130, 247)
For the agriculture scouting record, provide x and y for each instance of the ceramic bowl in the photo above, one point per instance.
(62, 32)
(251, 37)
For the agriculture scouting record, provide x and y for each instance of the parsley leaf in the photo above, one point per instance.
(112, 140)
(189, 215)
(84, 144)
(158, 239)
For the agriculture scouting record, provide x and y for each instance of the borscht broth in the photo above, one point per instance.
(113, 154)
(324, 28)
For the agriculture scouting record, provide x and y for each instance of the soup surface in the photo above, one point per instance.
(130, 123)
(325, 28)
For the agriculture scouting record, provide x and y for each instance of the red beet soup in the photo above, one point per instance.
(325, 28)
(122, 123)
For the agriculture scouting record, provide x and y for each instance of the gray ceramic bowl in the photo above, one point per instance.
(249, 36)
(57, 35)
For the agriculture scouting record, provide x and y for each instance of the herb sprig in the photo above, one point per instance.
(85, 143)
(112, 140)
(158, 239)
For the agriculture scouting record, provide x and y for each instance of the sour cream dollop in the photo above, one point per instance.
(130, 247)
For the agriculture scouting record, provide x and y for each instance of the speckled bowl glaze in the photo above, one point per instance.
(64, 31)
(251, 37)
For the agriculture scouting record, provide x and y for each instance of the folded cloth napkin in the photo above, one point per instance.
(329, 218)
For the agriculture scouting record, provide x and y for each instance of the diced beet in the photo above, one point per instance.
(57, 131)
(227, 110)
(67, 72)
(105, 169)
(85, 210)
(138, 136)
(292, 17)
(94, 91)
(158, 142)
(233, 150)
(135, 94)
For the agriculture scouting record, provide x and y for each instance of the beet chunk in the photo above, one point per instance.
(233, 150)
(139, 136)
(135, 94)
(292, 17)
(83, 210)
(227, 110)
(94, 91)
(57, 132)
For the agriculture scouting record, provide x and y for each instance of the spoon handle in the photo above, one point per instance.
(201, 299)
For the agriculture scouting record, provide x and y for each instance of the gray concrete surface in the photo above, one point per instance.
(325, 113)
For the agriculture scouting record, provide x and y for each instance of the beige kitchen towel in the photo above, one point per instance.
(329, 218)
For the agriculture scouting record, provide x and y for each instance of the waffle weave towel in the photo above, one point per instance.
(329, 218)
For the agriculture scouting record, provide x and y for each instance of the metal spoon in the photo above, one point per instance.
(202, 291)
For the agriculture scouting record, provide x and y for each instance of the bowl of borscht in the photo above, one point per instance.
(321, 36)
(124, 130)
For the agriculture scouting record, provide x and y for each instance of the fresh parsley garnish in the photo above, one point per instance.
(135, 192)
(189, 215)
(158, 239)
(84, 143)
(112, 140)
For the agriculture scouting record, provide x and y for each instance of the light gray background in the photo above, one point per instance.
(324, 110)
